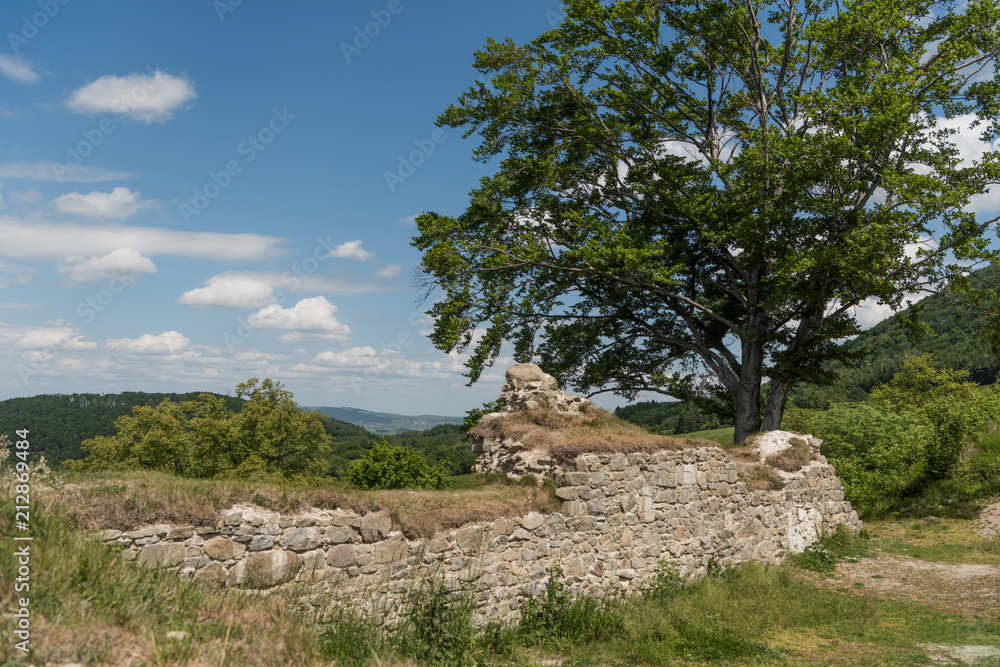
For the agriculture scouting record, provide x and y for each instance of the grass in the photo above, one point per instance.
(564, 436)
(722, 436)
(942, 541)
(128, 500)
(88, 606)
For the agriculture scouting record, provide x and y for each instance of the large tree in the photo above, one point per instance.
(688, 186)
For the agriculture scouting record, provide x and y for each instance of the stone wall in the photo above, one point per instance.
(622, 515)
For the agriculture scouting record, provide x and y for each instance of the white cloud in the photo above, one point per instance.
(167, 342)
(356, 357)
(119, 203)
(255, 289)
(315, 314)
(390, 271)
(350, 250)
(46, 240)
(309, 337)
(120, 263)
(57, 171)
(142, 97)
(410, 219)
(18, 69)
(22, 275)
(233, 289)
(57, 334)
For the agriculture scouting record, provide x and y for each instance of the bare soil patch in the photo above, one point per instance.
(965, 589)
(988, 524)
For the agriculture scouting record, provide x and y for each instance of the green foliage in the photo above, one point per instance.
(798, 419)
(665, 418)
(269, 436)
(441, 625)
(954, 407)
(831, 548)
(876, 453)
(473, 416)
(637, 144)
(389, 466)
(60, 422)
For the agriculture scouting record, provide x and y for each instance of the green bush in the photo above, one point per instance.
(876, 453)
(388, 466)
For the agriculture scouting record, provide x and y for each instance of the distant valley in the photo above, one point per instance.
(385, 423)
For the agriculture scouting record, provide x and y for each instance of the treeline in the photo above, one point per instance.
(60, 423)
(665, 418)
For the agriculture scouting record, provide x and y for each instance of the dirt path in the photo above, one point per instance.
(969, 590)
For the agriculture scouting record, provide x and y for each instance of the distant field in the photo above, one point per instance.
(723, 436)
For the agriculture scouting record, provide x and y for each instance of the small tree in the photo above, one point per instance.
(388, 466)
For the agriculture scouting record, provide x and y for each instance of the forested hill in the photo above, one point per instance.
(58, 423)
(956, 340)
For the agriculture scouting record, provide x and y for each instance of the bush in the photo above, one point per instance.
(388, 466)
(876, 453)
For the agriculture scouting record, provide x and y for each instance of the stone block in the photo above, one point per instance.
(469, 539)
(266, 569)
(109, 535)
(166, 554)
(223, 548)
(391, 550)
(375, 526)
(567, 493)
(261, 542)
(301, 539)
(342, 555)
(532, 521)
(232, 519)
(180, 533)
(213, 574)
(141, 533)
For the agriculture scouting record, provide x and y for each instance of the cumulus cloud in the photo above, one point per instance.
(390, 271)
(120, 263)
(21, 275)
(119, 203)
(315, 314)
(254, 289)
(57, 172)
(233, 289)
(356, 357)
(350, 250)
(57, 334)
(147, 98)
(167, 342)
(18, 69)
(45, 240)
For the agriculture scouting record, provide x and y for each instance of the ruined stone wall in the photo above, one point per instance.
(622, 515)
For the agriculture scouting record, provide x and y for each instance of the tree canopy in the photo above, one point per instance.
(268, 437)
(692, 196)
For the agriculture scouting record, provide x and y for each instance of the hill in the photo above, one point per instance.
(955, 337)
(385, 423)
(60, 422)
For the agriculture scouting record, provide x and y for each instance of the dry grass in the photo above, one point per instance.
(761, 477)
(129, 500)
(424, 513)
(794, 458)
(564, 436)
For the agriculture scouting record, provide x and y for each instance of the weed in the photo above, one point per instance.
(440, 625)
(831, 548)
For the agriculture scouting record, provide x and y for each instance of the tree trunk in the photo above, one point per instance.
(747, 402)
(776, 404)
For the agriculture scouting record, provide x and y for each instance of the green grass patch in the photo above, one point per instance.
(723, 436)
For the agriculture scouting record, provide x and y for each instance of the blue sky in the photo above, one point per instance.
(193, 193)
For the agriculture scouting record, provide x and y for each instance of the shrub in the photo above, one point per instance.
(876, 453)
(388, 466)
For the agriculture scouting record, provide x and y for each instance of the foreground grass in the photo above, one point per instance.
(88, 606)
